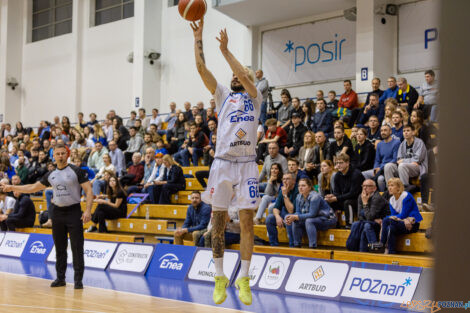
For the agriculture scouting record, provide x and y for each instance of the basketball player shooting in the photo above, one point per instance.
(233, 179)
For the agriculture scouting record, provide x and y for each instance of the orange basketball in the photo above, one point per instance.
(192, 10)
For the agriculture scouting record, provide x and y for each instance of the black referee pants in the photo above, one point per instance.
(67, 221)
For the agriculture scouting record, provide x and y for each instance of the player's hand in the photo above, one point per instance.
(197, 28)
(223, 39)
(5, 188)
(86, 217)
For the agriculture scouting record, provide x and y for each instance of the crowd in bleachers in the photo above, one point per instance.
(321, 158)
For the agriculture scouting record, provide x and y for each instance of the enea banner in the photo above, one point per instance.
(317, 51)
(418, 35)
(171, 261)
(38, 247)
(13, 244)
(203, 268)
(133, 258)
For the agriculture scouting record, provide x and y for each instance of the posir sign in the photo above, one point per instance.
(132, 258)
(13, 244)
(381, 285)
(38, 247)
(317, 278)
(171, 261)
(203, 267)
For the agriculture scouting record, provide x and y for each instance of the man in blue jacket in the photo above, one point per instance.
(392, 90)
(197, 219)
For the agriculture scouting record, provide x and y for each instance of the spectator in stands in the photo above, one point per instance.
(322, 120)
(347, 182)
(197, 219)
(6, 167)
(78, 163)
(428, 96)
(173, 181)
(123, 132)
(404, 113)
(343, 144)
(140, 130)
(296, 108)
(321, 151)
(273, 157)
(199, 121)
(177, 136)
(422, 130)
(391, 92)
(391, 105)
(283, 206)
(232, 230)
(284, 112)
(194, 149)
(99, 183)
(93, 120)
(271, 192)
(144, 119)
(372, 208)
(171, 117)
(130, 122)
(407, 96)
(194, 112)
(306, 153)
(295, 136)
(332, 101)
(157, 120)
(134, 173)
(308, 109)
(209, 150)
(375, 90)
(404, 218)
(7, 203)
(364, 150)
(263, 86)
(161, 147)
(154, 179)
(349, 98)
(373, 130)
(120, 141)
(397, 129)
(21, 169)
(373, 108)
(211, 115)
(117, 158)
(23, 214)
(320, 94)
(412, 159)
(312, 213)
(95, 160)
(147, 143)
(109, 209)
(151, 163)
(201, 110)
(81, 122)
(386, 152)
(273, 134)
(293, 168)
(325, 178)
(187, 111)
(135, 143)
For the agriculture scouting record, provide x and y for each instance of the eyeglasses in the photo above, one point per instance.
(368, 186)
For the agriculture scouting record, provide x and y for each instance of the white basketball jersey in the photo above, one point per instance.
(238, 116)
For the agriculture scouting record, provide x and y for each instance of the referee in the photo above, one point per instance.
(67, 218)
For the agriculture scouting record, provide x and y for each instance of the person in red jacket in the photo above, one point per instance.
(348, 99)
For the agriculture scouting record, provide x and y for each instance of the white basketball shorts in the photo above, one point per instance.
(232, 184)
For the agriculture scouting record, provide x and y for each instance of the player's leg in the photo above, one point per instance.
(219, 217)
(246, 251)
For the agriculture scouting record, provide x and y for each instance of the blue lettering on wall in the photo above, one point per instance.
(430, 34)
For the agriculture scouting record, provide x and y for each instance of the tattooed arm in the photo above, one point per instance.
(206, 75)
(218, 233)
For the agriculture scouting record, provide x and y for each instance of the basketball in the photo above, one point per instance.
(192, 10)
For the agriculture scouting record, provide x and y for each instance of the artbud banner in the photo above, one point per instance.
(316, 51)
(418, 35)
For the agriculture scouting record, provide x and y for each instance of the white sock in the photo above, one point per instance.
(245, 268)
(219, 266)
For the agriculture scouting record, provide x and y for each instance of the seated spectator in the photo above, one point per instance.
(404, 113)
(171, 119)
(332, 103)
(373, 130)
(232, 230)
(120, 141)
(293, 168)
(273, 134)
(325, 178)
(135, 172)
(98, 183)
(154, 178)
(372, 109)
(161, 147)
(386, 152)
(295, 137)
(7, 203)
(348, 99)
(311, 213)
(108, 129)
(284, 112)
(172, 181)
(98, 135)
(322, 120)
(178, 133)
(157, 120)
(148, 143)
(134, 145)
(347, 182)
(296, 108)
(23, 214)
(306, 153)
(365, 151)
(117, 158)
(95, 159)
(22, 170)
(283, 206)
(199, 121)
(391, 105)
(123, 132)
(144, 119)
(273, 157)
(353, 137)
(428, 96)
(372, 208)
(308, 109)
(397, 129)
(140, 129)
(194, 149)
(407, 96)
(270, 192)
(412, 159)
(343, 144)
(113, 208)
(391, 92)
(209, 150)
(130, 122)
(404, 218)
(93, 120)
(321, 151)
(187, 111)
(422, 130)
(6, 167)
(197, 219)
(375, 90)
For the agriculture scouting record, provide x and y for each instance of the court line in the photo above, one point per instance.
(47, 308)
(135, 294)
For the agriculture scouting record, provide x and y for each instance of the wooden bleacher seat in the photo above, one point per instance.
(394, 259)
(142, 226)
(193, 184)
(191, 170)
(181, 197)
(160, 211)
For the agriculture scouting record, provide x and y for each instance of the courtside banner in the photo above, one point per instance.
(132, 258)
(381, 284)
(2, 235)
(275, 273)
(258, 261)
(171, 261)
(97, 254)
(317, 278)
(203, 268)
(51, 258)
(38, 247)
(13, 244)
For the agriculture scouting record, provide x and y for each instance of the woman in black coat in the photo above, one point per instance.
(172, 182)
(365, 151)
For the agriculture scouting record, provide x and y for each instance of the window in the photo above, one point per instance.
(107, 11)
(51, 18)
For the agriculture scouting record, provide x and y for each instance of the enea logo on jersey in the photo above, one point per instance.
(240, 116)
(171, 262)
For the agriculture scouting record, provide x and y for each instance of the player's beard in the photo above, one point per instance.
(236, 88)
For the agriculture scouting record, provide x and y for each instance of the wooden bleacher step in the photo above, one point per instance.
(89, 236)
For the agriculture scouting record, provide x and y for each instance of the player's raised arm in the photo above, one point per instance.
(206, 75)
(237, 68)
